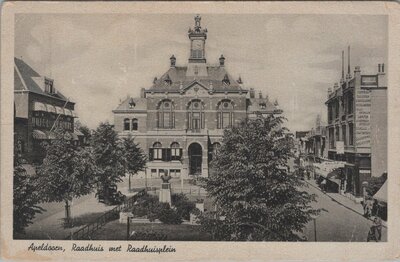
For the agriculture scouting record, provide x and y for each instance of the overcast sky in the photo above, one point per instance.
(96, 60)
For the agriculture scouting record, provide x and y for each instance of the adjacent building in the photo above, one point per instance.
(357, 125)
(38, 108)
(180, 119)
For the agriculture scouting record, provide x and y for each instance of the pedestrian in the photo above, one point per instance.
(323, 185)
(368, 207)
(375, 231)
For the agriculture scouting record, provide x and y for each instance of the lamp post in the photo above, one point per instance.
(314, 218)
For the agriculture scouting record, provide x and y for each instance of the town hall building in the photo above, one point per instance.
(179, 121)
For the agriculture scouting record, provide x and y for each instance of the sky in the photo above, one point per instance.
(97, 60)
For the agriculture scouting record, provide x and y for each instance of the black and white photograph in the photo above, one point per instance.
(198, 126)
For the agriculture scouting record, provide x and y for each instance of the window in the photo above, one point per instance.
(175, 151)
(195, 115)
(175, 172)
(263, 106)
(48, 85)
(350, 101)
(331, 138)
(126, 124)
(344, 134)
(225, 114)
(166, 115)
(134, 124)
(154, 172)
(337, 133)
(157, 148)
(351, 141)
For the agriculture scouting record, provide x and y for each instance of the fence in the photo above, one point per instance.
(86, 231)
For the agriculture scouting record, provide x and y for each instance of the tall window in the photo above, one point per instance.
(166, 115)
(225, 114)
(175, 151)
(350, 101)
(134, 124)
(331, 138)
(195, 115)
(157, 151)
(337, 133)
(351, 134)
(127, 124)
(344, 134)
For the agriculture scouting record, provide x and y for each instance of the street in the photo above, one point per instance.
(338, 223)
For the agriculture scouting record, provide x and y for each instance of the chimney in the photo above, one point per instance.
(348, 76)
(154, 80)
(142, 93)
(252, 93)
(335, 86)
(260, 94)
(222, 60)
(172, 59)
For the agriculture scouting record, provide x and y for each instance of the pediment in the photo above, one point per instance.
(195, 86)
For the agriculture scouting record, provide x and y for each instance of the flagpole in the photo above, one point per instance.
(66, 102)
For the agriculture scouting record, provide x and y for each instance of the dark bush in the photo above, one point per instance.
(170, 216)
(148, 235)
(183, 205)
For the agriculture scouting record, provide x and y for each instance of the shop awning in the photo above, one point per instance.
(37, 106)
(51, 108)
(74, 136)
(73, 113)
(29, 169)
(79, 133)
(381, 195)
(59, 110)
(37, 134)
(51, 135)
(325, 169)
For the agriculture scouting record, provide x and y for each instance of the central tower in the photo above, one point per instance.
(197, 58)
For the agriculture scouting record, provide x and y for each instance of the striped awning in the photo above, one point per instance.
(37, 106)
(40, 135)
(51, 135)
(67, 112)
(51, 108)
(59, 110)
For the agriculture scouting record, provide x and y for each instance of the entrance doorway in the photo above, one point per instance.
(195, 158)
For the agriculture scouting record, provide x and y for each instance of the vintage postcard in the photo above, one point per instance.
(200, 131)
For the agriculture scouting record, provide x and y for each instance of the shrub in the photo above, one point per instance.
(148, 235)
(183, 205)
(170, 216)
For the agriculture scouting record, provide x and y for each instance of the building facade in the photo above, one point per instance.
(38, 109)
(357, 126)
(179, 121)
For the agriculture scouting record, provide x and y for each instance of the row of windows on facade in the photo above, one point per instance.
(195, 116)
(346, 107)
(47, 122)
(334, 135)
(172, 172)
(157, 152)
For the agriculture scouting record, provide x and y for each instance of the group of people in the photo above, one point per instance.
(375, 231)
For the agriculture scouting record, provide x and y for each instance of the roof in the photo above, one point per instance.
(180, 80)
(257, 105)
(26, 78)
(140, 104)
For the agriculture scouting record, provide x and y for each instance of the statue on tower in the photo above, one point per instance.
(197, 26)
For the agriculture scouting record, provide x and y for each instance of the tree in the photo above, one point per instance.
(255, 196)
(26, 196)
(134, 157)
(84, 130)
(67, 172)
(110, 158)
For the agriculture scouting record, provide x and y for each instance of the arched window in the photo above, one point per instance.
(216, 147)
(225, 114)
(127, 124)
(176, 151)
(157, 151)
(166, 115)
(134, 124)
(195, 115)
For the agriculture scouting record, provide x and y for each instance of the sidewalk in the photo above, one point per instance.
(50, 226)
(343, 201)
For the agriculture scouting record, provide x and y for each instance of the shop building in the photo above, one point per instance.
(357, 126)
(180, 119)
(38, 108)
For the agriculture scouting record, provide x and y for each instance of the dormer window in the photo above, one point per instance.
(167, 80)
(226, 80)
(48, 85)
(263, 106)
(131, 103)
